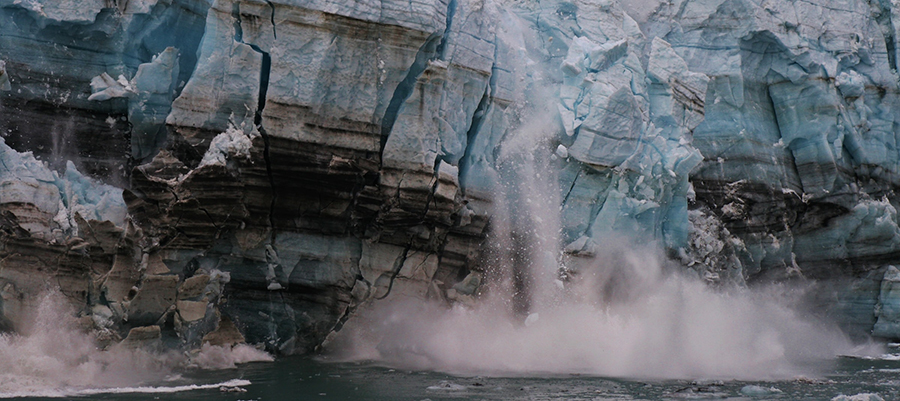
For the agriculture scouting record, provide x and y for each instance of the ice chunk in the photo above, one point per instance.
(851, 84)
(446, 386)
(532, 319)
(90, 198)
(759, 391)
(233, 143)
(26, 181)
(155, 84)
(562, 151)
(105, 87)
(603, 56)
(4, 77)
(859, 397)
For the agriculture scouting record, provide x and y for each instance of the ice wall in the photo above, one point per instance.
(799, 135)
(318, 155)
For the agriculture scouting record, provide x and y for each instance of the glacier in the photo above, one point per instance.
(259, 171)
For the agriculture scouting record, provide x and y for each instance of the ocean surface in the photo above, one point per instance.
(302, 378)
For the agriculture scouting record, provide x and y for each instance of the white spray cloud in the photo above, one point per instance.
(664, 326)
(52, 356)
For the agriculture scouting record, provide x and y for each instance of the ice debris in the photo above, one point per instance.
(858, 397)
(233, 143)
(759, 391)
(104, 87)
(446, 386)
(4, 77)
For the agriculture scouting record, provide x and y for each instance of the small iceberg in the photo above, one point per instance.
(759, 391)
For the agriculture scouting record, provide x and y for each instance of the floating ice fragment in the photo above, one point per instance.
(758, 391)
(858, 397)
(446, 386)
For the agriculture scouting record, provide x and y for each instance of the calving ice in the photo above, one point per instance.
(630, 189)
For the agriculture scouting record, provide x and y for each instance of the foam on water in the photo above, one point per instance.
(53, 357)
(217, 357)
(883, 357)
(73, 392)
(859, 397)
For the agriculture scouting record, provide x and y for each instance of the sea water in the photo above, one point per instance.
(304, 378)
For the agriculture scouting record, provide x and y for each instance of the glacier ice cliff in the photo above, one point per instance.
(248, 170)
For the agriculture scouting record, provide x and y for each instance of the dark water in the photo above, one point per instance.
(296, 378)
